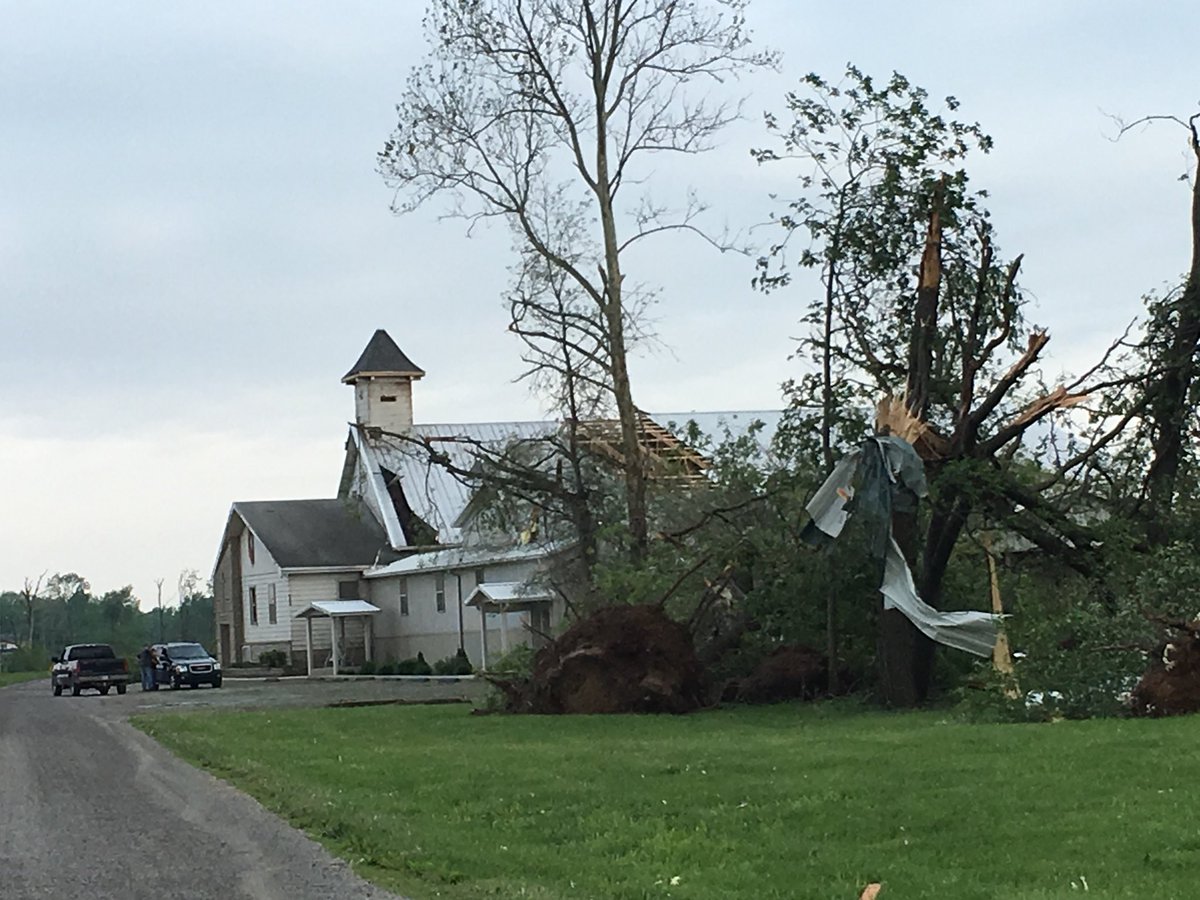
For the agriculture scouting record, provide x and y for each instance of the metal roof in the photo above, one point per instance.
(718, 426)
(337, 608)
(512, 594)
(436, 496)
(315, 533)
(439, 498)
(383, 357)
(462, 558)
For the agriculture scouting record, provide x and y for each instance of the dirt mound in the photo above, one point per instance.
(621, 659)
(1171, 686)
(790, 672)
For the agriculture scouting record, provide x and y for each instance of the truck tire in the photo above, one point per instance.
(58, 690)
(121, 689)
(104, 690)
(75, 689)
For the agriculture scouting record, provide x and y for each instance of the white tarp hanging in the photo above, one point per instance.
(974, 632)
(828, 505)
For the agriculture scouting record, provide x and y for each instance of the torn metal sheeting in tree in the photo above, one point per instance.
(880, 466)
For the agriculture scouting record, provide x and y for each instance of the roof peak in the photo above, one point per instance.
(382, 357)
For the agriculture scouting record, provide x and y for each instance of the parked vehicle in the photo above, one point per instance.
(82, 666)
(186, 663)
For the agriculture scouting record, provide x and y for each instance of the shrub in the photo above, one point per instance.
(27, 659)
(273, 659)
(367, 668)
(387, 669)
(458, 664)
(516, 662)
(414, 666)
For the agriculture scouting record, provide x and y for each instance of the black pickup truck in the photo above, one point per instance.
(88, 666)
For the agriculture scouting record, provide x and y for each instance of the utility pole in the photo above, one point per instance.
(161, 638)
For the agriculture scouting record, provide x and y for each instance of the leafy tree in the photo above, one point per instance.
(918, 301)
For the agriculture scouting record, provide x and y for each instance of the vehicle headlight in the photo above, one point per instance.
(181, 668)
(216, 667)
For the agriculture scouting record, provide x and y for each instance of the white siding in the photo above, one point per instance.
(303, 590)
(436, 634)
(261, 575)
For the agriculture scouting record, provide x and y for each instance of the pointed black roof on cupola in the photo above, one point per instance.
(382, 357)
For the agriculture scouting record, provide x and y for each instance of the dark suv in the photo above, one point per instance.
(186, 663)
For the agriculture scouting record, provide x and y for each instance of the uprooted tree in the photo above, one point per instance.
(540, 113)
(917, 300)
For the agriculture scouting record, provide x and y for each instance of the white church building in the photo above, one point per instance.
(396, 563)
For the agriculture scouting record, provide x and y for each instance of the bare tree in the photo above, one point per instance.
(29, 595)
(529, 105)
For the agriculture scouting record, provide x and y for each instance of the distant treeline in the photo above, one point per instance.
(45, 616)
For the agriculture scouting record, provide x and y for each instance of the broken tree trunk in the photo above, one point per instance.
(1170, 394)
(905, 656)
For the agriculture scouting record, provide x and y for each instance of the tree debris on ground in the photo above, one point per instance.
(790, 672)
(1171, 686)
(620, 659)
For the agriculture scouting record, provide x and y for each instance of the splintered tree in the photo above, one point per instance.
(541, 113)
(1170, 349)
(917, 301)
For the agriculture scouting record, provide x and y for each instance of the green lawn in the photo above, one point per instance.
(783, 802)
(7, 678)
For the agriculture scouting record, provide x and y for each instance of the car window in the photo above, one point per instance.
(91, 651)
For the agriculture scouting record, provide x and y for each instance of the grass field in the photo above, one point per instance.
(780, 802)
(7, 678)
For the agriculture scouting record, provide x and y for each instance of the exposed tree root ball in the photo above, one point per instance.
(790, 672)
(1171, 686)
(621, 659)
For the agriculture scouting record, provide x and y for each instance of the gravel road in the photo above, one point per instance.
(91, 807)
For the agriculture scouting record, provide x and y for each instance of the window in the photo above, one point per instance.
(347, 590)
(250, 547)
(253, 606)
(272, 616)
(440, 592)
(387, 398)
(479, 573)
(404, 596)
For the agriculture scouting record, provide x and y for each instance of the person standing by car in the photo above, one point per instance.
(146, 661)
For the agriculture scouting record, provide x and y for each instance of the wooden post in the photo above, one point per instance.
(368, 635)
(1001, 656)
(504, 631)
(333, 641)
(483, 638)
(308, 643)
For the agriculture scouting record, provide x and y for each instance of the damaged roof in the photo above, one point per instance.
(305, 534)
(439, 498)
(382, 357)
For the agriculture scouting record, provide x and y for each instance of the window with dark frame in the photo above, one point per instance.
(253, 606)
(440, 592)
(250, 546)
(479, 576)
(404, 596)
(272, 614)
(348, 590)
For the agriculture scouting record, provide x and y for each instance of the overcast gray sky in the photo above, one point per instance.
(194, 244)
